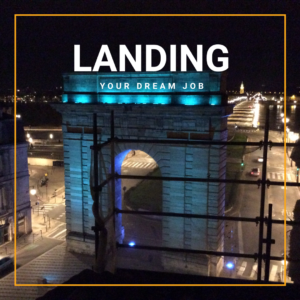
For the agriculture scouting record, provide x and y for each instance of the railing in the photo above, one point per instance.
(262, 183)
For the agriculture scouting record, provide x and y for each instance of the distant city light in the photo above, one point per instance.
(286, 120)
(131, 244)
(30, 140)
(230, 265)
(28, 135)
(18, 116)
(51, 136)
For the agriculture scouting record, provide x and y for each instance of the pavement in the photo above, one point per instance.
(38, 255)
(56, 266)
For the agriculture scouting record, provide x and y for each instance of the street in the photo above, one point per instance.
(248, 205)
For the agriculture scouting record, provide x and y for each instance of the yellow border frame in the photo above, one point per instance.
(140, 15)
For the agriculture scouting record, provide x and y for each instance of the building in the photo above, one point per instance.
(7, 232)
(190, 107)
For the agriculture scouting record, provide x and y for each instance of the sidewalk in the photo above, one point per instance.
(40, 224)
(39, 229)
(56, 266)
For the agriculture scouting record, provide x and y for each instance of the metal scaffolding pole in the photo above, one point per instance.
(96, 228)
(262, 183)
(262, 197)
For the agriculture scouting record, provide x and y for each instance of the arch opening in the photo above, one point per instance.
(140, 195)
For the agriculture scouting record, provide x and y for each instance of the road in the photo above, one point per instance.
(249, 205)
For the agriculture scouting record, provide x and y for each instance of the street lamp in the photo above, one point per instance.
(28, 135)
(30, 140)
(33, 191)
(51, 136)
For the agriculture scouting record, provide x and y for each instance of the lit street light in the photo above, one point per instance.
(33, 191)
(28, 135)
(51, 136)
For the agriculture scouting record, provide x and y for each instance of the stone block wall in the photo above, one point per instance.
(150, 122)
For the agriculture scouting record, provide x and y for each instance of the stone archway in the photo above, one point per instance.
(155, 115)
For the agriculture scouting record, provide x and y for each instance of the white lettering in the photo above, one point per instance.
(173, 58)
(110, 85)
(136, 64)
(200, 86)
(126, 86)
(162, 86)
(224, 60)
(172, 86)
(185, 87)
(185, 52)
(155, 86)
(139, 86)
(105, 59)
(110, 62)
(102, 85)
(120, 86)
(77, 67)
(163, 58)
(147, 86)
(192, 85)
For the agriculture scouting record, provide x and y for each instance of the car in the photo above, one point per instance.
(260, 159)
(255, 172)
(5, 263)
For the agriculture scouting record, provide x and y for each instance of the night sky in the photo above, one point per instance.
(45, 45)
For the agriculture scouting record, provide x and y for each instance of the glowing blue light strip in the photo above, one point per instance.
(143, 99)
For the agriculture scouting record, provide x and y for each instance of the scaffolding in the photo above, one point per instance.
(262, 183)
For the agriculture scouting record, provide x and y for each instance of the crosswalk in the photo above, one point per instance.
(279, 176)
(139, 165)
(249, 270)
(59, 232)
(48, 207)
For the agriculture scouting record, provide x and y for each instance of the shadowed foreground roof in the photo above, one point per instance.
(166, 293)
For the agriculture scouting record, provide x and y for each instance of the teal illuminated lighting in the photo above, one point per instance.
(174, 88)
(109, 99)
(199, 100)
(162, 99)
(215, 100)
(82, 98)
(144, 99)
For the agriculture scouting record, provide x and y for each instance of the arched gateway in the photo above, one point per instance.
(159, 107)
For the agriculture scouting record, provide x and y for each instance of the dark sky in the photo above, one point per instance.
(45, 45)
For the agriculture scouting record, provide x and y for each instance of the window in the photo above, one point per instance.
(3, 200)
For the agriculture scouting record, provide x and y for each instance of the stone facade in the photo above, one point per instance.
(148, 121)
(7, 181)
